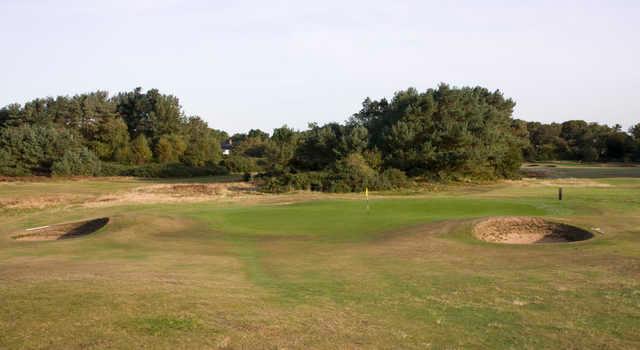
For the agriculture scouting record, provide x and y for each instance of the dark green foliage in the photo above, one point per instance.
(322, 146)
(619, 145)
(545, 141)
(445, 133)
(392, 179)
(174, 170)
(283, 144)
(9, 165)
(283, 182)
(11, 115)
(203, 148)
(253, 147)
(351, 174)
(133, 127)
(116, 169)
(77, 162)
(240, 164)
(582, 141)
(33, 149)
(155, 170)
(350, 177)
(152, 113)
(111, 140)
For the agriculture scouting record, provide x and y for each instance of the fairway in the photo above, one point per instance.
(309, 270)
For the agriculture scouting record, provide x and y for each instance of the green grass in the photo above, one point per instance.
(324, 273)
(162, 325)
(350, 220)
(559, 170)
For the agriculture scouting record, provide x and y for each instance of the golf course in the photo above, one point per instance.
(304, 175)
(211, 263)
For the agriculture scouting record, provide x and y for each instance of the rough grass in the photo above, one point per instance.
(325, 273)
(558, 170)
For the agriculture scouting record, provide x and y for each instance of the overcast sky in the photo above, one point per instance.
(262, 64)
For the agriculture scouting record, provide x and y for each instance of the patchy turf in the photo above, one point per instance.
(315, 271)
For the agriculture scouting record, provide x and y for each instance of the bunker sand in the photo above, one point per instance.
(527, 230)
(61, 231)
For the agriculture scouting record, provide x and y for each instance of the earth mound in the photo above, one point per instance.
(528, 230)
(61, 231)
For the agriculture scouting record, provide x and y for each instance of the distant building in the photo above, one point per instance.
(227, 146)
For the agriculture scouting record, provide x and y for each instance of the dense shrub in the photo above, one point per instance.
(115, 169)
(170, 148)
(140, 151)
(172, 170)
(203, 146)
(77, 162)
(392, 179)
(33, 149)
(9, 166)
(283, 182)
(240, 164)
(351, 174)
(351, 178)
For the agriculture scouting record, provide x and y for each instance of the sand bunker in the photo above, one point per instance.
(61, 231)
(528, 230)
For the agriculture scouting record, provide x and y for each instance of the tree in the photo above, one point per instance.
(152, 113)
(140, 151)
(322, 146)
(11, 115)
(444, 132)
(202, 145)
(619, 146)
(34, 148)
(258, 134)
(77, 162)
(635, 132)
(111, 140)
(352, 173)
(254, 146)
(284, 142)
(170, 148)
(96, 108)
(545, 142)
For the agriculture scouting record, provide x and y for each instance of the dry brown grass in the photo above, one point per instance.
(531, 182)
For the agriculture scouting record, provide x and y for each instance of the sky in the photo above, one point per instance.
(262, 64)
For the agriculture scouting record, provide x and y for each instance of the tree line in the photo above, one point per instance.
(90, 134)
(582, 141)
(443, 133)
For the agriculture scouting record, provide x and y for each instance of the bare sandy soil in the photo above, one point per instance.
(172, 193)
(242, 192)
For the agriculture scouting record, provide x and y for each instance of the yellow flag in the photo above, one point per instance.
(366, 193)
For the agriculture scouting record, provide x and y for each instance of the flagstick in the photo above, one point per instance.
(366, 196)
